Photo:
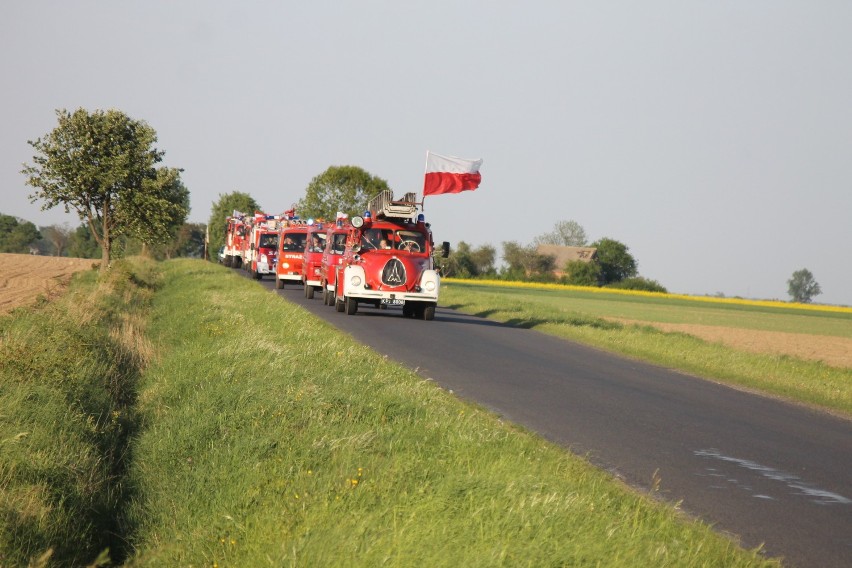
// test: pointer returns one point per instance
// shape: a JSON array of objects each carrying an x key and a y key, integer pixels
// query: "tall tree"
[
  {"x": 802, "y": 286},
  {"x": 564, "y": 233},
  {"x": 224, "y": 208},
  {"x": 17, "y": 235},
  {"x": 102, "y": 165},
  {"x": 615, "y": 261},
  {"x": 339, "y": 188}
]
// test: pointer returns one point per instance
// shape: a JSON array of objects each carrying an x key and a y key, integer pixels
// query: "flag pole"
[{"x": 423, "y": 202}]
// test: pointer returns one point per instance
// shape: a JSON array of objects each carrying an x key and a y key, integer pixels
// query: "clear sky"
[{"x": 714, "y": 139}]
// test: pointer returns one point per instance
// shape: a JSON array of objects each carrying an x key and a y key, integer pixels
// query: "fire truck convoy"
[{"x": 381, "y": 259}]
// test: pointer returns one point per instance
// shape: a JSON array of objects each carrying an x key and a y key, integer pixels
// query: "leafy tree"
[
  {"x": 525, "y": 263},
  {"x": 162, "y": 208},
  {"x": 564, "y": 233},
  {"x": 466, "y": 262},
  {"x": 579, "y": 273},
  {"x": 17, "y": 235},
  {"x": 102, "y": 165},
  {"x": 188, "y": 242},
  {"x": 224, "y": 208},
  {"x": 802, "y": 287},
  {"x": 339, "y": 188},
  {"x": 615, "y": 261},
  {"x": 58, "y": 236},
  {"x": 83, "y": 244}
]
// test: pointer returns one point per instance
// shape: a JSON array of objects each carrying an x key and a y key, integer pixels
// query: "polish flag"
[{"x": 448, "y": 174}]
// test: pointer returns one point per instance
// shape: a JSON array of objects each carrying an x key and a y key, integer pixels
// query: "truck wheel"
[
  {"x": 257, "y": 275},
  {"x": 351, "y": 305},
  {"x": 227, "y": 262},
  {"x": 309, "y": 292},
  {"x": 429, "y": 313},
  {"x": 279, "y": 284},
  {"x": 324, "y": 295},
  {"x": 338, "y": 304}
]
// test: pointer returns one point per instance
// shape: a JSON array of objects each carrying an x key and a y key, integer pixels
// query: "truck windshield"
[
  {"x": 293, "y": 241},
  {"x": 268, "y": 241},
  {"x": 317, "y": 243},
  {"x": 338, "y": 243},
  {"x": 388, "y": 239}
]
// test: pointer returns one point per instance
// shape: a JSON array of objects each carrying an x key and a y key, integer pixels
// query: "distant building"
[{"x": 564, "y": 255}]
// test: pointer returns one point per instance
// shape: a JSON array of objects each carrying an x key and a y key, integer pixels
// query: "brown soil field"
[
  {"x": 25, "y": 277},
  {"x": 834, "y": 351}
]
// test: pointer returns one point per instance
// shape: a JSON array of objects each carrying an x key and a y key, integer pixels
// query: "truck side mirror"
[{"x": 445, "y": 249}]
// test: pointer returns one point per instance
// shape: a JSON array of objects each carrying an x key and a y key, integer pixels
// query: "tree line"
[{"x": 104, "y": 166}]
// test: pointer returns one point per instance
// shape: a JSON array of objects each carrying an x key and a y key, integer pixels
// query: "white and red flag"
[{"x": 448, "y": 174}]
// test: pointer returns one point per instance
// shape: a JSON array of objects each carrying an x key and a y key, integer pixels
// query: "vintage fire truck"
[
  {"x": 388, "y": 260},
  {"x": 235, "y": 236},
  {"x": 291, "y": 252},
  {"x": 262, "y": 245},
  {"x": 332, "y": 256},
  {"x": 312, "y": 260}
]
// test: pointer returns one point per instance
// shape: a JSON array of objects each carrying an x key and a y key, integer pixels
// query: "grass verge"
[
  {"x": 68, "y": 372},
  {"x": 579, "y": 316},
  {"x": 268, "y": 438}
]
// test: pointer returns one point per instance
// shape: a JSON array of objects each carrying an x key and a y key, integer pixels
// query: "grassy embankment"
[
  {"x": 585, "y": 315},
  {"x": 265, "y": 437},
  {"x": 68, "y": 373}
]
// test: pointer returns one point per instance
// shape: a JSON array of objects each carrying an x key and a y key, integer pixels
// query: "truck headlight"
[
  {"x": 429, "y": 285},
  {"x": 355, "y": 280}
]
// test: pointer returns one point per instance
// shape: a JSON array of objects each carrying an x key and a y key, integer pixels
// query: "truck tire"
[
  {"x": 351, "y": 305},
  {"x": 279, "y": 283},
  {"x": 429, "y": 313},
  {"x": 309, "y": 292},
  {"x": 257, "y": 275},
  {"x": 338, "y": 304}
]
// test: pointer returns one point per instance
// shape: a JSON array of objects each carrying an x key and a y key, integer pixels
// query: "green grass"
[
  {"x": 267, "y": 438},
  {"x": 67, "y": 380},
  {"x": 582, "y": 316},
  {"x": 192, "y": 418}
]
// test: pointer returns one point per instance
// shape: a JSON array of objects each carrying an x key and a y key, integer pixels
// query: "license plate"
[{"x": 387, "y": 302}]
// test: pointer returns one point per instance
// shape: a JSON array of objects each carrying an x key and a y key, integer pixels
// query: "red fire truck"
[
  {"x": 262, "y": 245},
  {"x": 312, "y": 260},
  {"x": 332, "y": 256},
  {"x": 291, "y": 252},
  {"x": 388, "y": 260},
  {"x": 235, "y": 233}
]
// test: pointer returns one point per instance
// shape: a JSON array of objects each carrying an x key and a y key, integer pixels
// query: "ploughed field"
[{"x": 25, "y": 277}]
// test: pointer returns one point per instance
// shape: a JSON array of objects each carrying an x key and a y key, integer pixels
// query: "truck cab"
[
  {"x": 312, "y": 260},
  {"x": 265, "y": 247},
  {"x": 387, "y": 260},
  {"x": 332, "y": 256},
  {"x": 291, "y": 253},
  {"x": 235, "y": 233}
]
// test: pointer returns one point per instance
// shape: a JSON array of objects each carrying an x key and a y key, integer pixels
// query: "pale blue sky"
[{"x": 712, "y": 138}]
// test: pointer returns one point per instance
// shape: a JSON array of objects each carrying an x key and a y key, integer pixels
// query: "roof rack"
[{"x": 384, "y": 205}]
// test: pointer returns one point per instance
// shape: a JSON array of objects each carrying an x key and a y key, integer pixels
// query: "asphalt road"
[{"x": 769, "y": 472}]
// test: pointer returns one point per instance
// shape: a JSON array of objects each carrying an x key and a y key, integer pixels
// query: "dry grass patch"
[{"x": 831, "y": 350}]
